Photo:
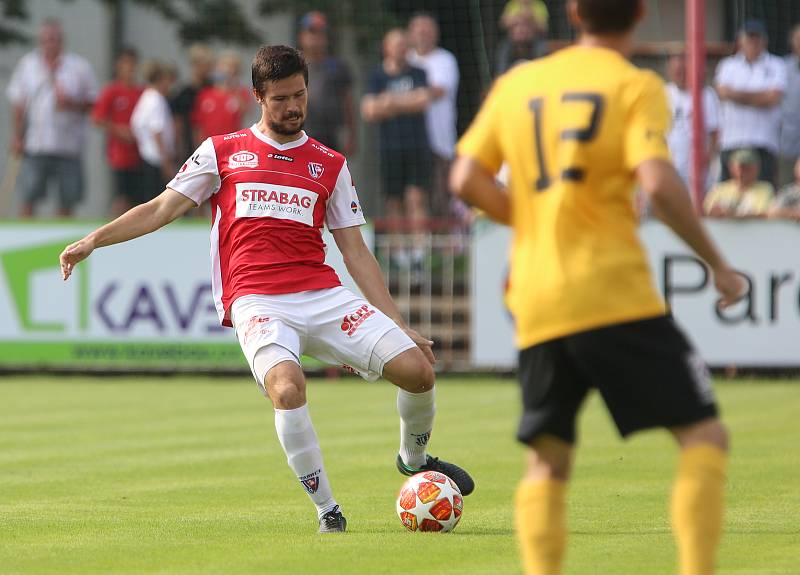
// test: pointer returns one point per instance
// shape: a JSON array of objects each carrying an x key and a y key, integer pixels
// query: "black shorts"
[
  {"x": 153, "y": 182},
  {"x": 646, "y": 371},
  {"x": 130, "y": 185},
  {"x": 402, "y": 168}
]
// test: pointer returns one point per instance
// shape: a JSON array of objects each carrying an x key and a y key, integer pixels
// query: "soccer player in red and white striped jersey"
[{"x": 272, "y": 188}]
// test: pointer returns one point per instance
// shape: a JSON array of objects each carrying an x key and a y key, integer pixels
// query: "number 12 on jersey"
[{"x": 583, "y": 134}]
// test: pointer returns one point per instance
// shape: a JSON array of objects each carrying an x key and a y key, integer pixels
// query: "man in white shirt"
[
  {"x": 790, "y": 113},
  {"x": 154, "y": 128},
  {"x": 751, "y": 85},
  {"x": 680, "y": 137},
  {"x": 441, "y": 69},
  {"x": 51, "y": 93}
]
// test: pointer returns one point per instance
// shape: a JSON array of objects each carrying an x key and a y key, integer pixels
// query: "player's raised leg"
[
  {"x": 286, "y": 386},
  {"x": 697, "y": 496},
  {"x": 413, "y": 374},
  {"x": 540, "y": 506}
]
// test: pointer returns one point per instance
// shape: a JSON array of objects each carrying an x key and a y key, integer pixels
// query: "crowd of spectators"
[
  {"x": 752, "y": 117},
  {"x": 752, "y": 124},
  {"x": 149, "y": 127}
]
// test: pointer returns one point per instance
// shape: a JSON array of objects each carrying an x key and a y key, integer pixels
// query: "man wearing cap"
[
  {"x": 330, "y": 95},
  {"x": 751, "y": 85},
  {"x": 742, "y": 196}
]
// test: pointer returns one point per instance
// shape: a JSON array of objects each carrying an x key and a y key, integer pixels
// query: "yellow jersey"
[{"x": 572, "y": 128}]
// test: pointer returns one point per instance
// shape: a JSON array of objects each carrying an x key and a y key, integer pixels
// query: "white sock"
[
  {"x": 299, "y": 441},
  {"x": 416, "y": 421}
]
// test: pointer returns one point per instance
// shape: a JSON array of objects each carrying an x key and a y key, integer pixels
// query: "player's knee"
[
  {"x": 411, "y": 371},
  {"x": 549, "y": 459},
  {"x": 285, "y": 389},
  {"x": 426, "y": 378},
  {"x": 710, "y": 431}
]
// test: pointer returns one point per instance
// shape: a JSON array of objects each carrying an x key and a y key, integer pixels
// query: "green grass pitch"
[{"x": 185, "y": 475}]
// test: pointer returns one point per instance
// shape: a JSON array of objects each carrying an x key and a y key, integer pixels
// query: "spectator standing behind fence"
[
  {"x": 750, "y": 85},
  {"x": 790, "y": 113},
  {"x": 331, "y": 109},
  {"x": 679, "y": 138},
  {"x": 397, "y": 98},
  {"x": 787, "y": 204},
  {"x": 201, "y": 64},
  {"x": 221, "y": 107},
  {"x": 441, "y": 71},
  {"x": 112, "y": 112},
  {"x": 742, "y": 196},
  {"x": 154, "y": 128},
  {"x": 51, "y": 92},
  {"x": 522, "y": 43}
]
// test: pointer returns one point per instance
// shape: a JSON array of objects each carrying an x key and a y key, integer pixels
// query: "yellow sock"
[
  {"x": 541, "y": 525},
  {"x": 697, "y": 507}
]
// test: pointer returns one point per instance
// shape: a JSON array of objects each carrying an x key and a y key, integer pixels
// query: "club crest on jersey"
[
  {"x": 243, "y": 159},
  {"x": 315, "y": 169}
]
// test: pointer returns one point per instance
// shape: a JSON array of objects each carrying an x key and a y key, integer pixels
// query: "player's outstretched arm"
[
  {"x": 367, "y": 274},
  {"x": 138, "y": 221},
  {"x": 470, "y": 181},
  {"x": 672, "y": 205}
]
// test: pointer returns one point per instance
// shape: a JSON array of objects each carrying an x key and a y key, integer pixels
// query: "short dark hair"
[
  {"x": 273, "y": 63},
  {"x": 155, "y": 71},
  {"x": 608, "y": 16},
  {"x": 127, "y": 52}
]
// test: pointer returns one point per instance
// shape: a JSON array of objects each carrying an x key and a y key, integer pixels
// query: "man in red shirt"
[
  {"x": 112, "y": 112},
  {"x": 271, "y": 190},
  {"x": 221, "y": 108}
]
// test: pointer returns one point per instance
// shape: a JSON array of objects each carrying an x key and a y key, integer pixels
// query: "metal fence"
[{"x": 428, "y": 275}]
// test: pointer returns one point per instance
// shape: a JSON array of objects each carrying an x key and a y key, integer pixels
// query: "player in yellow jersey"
[{"x": 578, "y": 130}]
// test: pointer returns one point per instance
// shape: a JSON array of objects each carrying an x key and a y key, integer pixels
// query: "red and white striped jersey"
[{"x": 269, "y": 202}]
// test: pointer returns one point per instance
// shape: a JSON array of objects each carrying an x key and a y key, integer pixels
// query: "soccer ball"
[{"x": 429, "y": 501}]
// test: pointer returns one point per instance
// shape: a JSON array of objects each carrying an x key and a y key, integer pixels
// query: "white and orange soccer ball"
[{"x": 429, "y": 501}]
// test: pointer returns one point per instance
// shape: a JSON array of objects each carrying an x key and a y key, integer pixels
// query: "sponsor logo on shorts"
[
  {"x": 257, "y": 200},
  {"x": 311, "y": 481},
  {"x": 315, "y": 170},
  {"x": 281, "y": 157},
  {"x": 256, "y": 326},
  {"x": 349, "y": 368},
  {"x": 243, "y": 159},
  {"x": 701, "y": 377},
  {"x": 352, "y": 321}
]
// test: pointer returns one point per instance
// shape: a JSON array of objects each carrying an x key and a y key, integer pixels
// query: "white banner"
[
  {"x": 148, "y": 299},
  {"x": 762, "y": 330}
]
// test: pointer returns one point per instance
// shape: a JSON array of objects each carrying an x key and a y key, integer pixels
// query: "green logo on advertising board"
[{"x": 19, "y": 266}]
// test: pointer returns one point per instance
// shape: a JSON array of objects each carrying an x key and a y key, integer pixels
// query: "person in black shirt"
[
  {"x": 201, "y": 61},
  {"x": 396, "y": 99},
  {"x": 331, "y": 111}
]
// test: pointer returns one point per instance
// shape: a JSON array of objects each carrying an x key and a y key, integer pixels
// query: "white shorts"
[{"x": 332, "y": 325}]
